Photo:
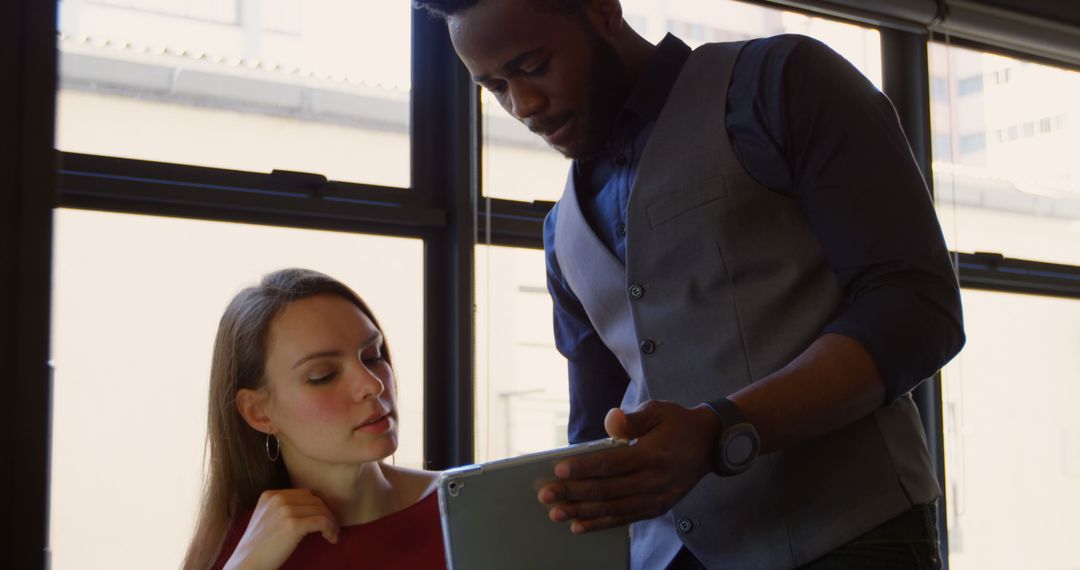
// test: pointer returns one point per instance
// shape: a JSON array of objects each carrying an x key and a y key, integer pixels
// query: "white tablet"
[{"x": 492, "y": 520}]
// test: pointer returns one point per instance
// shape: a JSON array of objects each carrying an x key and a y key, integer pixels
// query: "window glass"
[
  {"x": 136, "y": 303},
  {"x": 522, "y": 398},
  {"x": 1006, "y": 155},
  {"x": 518, "y": 165},
  {"x": 1012, "y": 434},
  {"x": 257, "y": 85}
]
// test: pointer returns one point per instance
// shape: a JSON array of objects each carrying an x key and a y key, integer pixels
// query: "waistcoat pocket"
[{"x": 682, "y": 200}]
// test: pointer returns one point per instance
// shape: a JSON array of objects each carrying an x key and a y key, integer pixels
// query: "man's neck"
[{"x": 635, "y": 51}]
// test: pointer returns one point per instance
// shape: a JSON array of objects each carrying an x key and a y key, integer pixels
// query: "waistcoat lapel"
[{"x": 598, "y": 278}]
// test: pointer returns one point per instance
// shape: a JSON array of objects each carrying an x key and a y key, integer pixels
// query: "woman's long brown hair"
[{"x": 239, "y": 468}]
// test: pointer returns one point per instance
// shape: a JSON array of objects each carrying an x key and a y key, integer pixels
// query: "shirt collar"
[{"x": 653, "y": 86}]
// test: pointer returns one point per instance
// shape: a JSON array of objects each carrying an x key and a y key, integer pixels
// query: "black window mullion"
[
  {"x": 513, "y": 223},
  {"x": 995, "y": 272},
  {"x": 290, "y": 199},
  {"x": 444, "y": 177},
  {"x": 906, "y": 80},
  {"x": 27, "y": 173}
]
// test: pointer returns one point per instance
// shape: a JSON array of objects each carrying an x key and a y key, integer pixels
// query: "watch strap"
[
  {"x": 733, "y": 424},
  {"x": 729, "y": 413}
]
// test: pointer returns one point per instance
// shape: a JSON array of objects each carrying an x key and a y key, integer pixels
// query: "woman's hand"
[{"x": 281, "y": 519}]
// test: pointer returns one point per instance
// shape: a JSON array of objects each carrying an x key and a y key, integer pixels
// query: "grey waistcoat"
[{"x": 734, "y": 287}]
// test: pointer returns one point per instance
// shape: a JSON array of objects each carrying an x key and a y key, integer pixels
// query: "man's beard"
[{"x": 608, "y": 88}]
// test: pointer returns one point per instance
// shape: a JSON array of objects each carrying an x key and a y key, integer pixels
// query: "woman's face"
[{"x": 330, "y": 390}]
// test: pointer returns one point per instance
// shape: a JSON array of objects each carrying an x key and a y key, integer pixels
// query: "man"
[{"x": 747, "y": 271}]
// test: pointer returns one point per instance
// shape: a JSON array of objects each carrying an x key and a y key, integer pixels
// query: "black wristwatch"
[{"x": 738, "y": 444}]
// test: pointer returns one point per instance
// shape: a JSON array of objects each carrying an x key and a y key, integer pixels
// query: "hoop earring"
[{"x": 277, "y": 447}]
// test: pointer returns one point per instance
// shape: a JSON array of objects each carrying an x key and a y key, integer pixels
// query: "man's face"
[{"x": 553, "y": 72}]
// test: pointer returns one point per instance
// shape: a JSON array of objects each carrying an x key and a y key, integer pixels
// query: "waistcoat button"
[
  {"x": 685, "y": 525},
  {"x": 648, "y": 346},
  {"x": 620, "y": 230},
  {"x": 636, "y": 291}
]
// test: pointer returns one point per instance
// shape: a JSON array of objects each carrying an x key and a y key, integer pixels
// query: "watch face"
[{"x": 739, "y": 449}]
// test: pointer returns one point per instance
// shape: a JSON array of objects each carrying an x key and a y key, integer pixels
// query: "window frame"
[{"x": 27, "y": 196}]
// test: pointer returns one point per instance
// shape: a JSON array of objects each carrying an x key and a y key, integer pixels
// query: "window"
[
  {"x": 972, "y": 143},
  {"x": 282, "y": 16},
  {"x": 1012, "y": 435},
  {"x": 939, "y": 88},
  {"x": 329, "y": 96},
  {"x": 136, "y": 303},
  {"x": 510, "y": 151},
  {"x": 970, "y": 85},
  {"x": 522, "y": 396},
  {"x": 1020, "y": 198},
  {"x": 942, "y": 146}
]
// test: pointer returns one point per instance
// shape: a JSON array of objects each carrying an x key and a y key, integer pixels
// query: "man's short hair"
[{"x": 446, "y": 8}]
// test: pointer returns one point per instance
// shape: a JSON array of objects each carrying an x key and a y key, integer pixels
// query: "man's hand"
[{"x": 672, "y": 452}]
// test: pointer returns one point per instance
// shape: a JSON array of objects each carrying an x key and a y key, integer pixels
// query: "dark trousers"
[{"x": 906, "y": 542}]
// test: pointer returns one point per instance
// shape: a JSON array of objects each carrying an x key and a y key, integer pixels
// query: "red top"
[{"x": 410, "y": 538}]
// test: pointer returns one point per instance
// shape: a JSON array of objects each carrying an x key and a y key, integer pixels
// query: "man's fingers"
[
  {"x": 663, "y": 463},
  {"x": 609, "y": 463},
  {"x": 593, "y": 490},
  {"x": 581, "y": 527},
  {"x": 587, "y": 517}
]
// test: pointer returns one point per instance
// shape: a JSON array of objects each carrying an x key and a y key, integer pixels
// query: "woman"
[{"x": 302, "y": 415}]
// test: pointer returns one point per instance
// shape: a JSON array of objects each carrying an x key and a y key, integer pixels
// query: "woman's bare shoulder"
[{"x": 412, "y": 484}]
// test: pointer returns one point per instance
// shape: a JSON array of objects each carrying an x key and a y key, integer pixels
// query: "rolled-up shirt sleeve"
[
  {"x": 597, "y": 379},
  {"x": 820, "y": 132}
]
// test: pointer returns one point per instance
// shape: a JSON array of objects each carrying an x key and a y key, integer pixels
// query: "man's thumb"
[
  {"x": 616, "y": 424},
  {"x": 621, "y": 425}
]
